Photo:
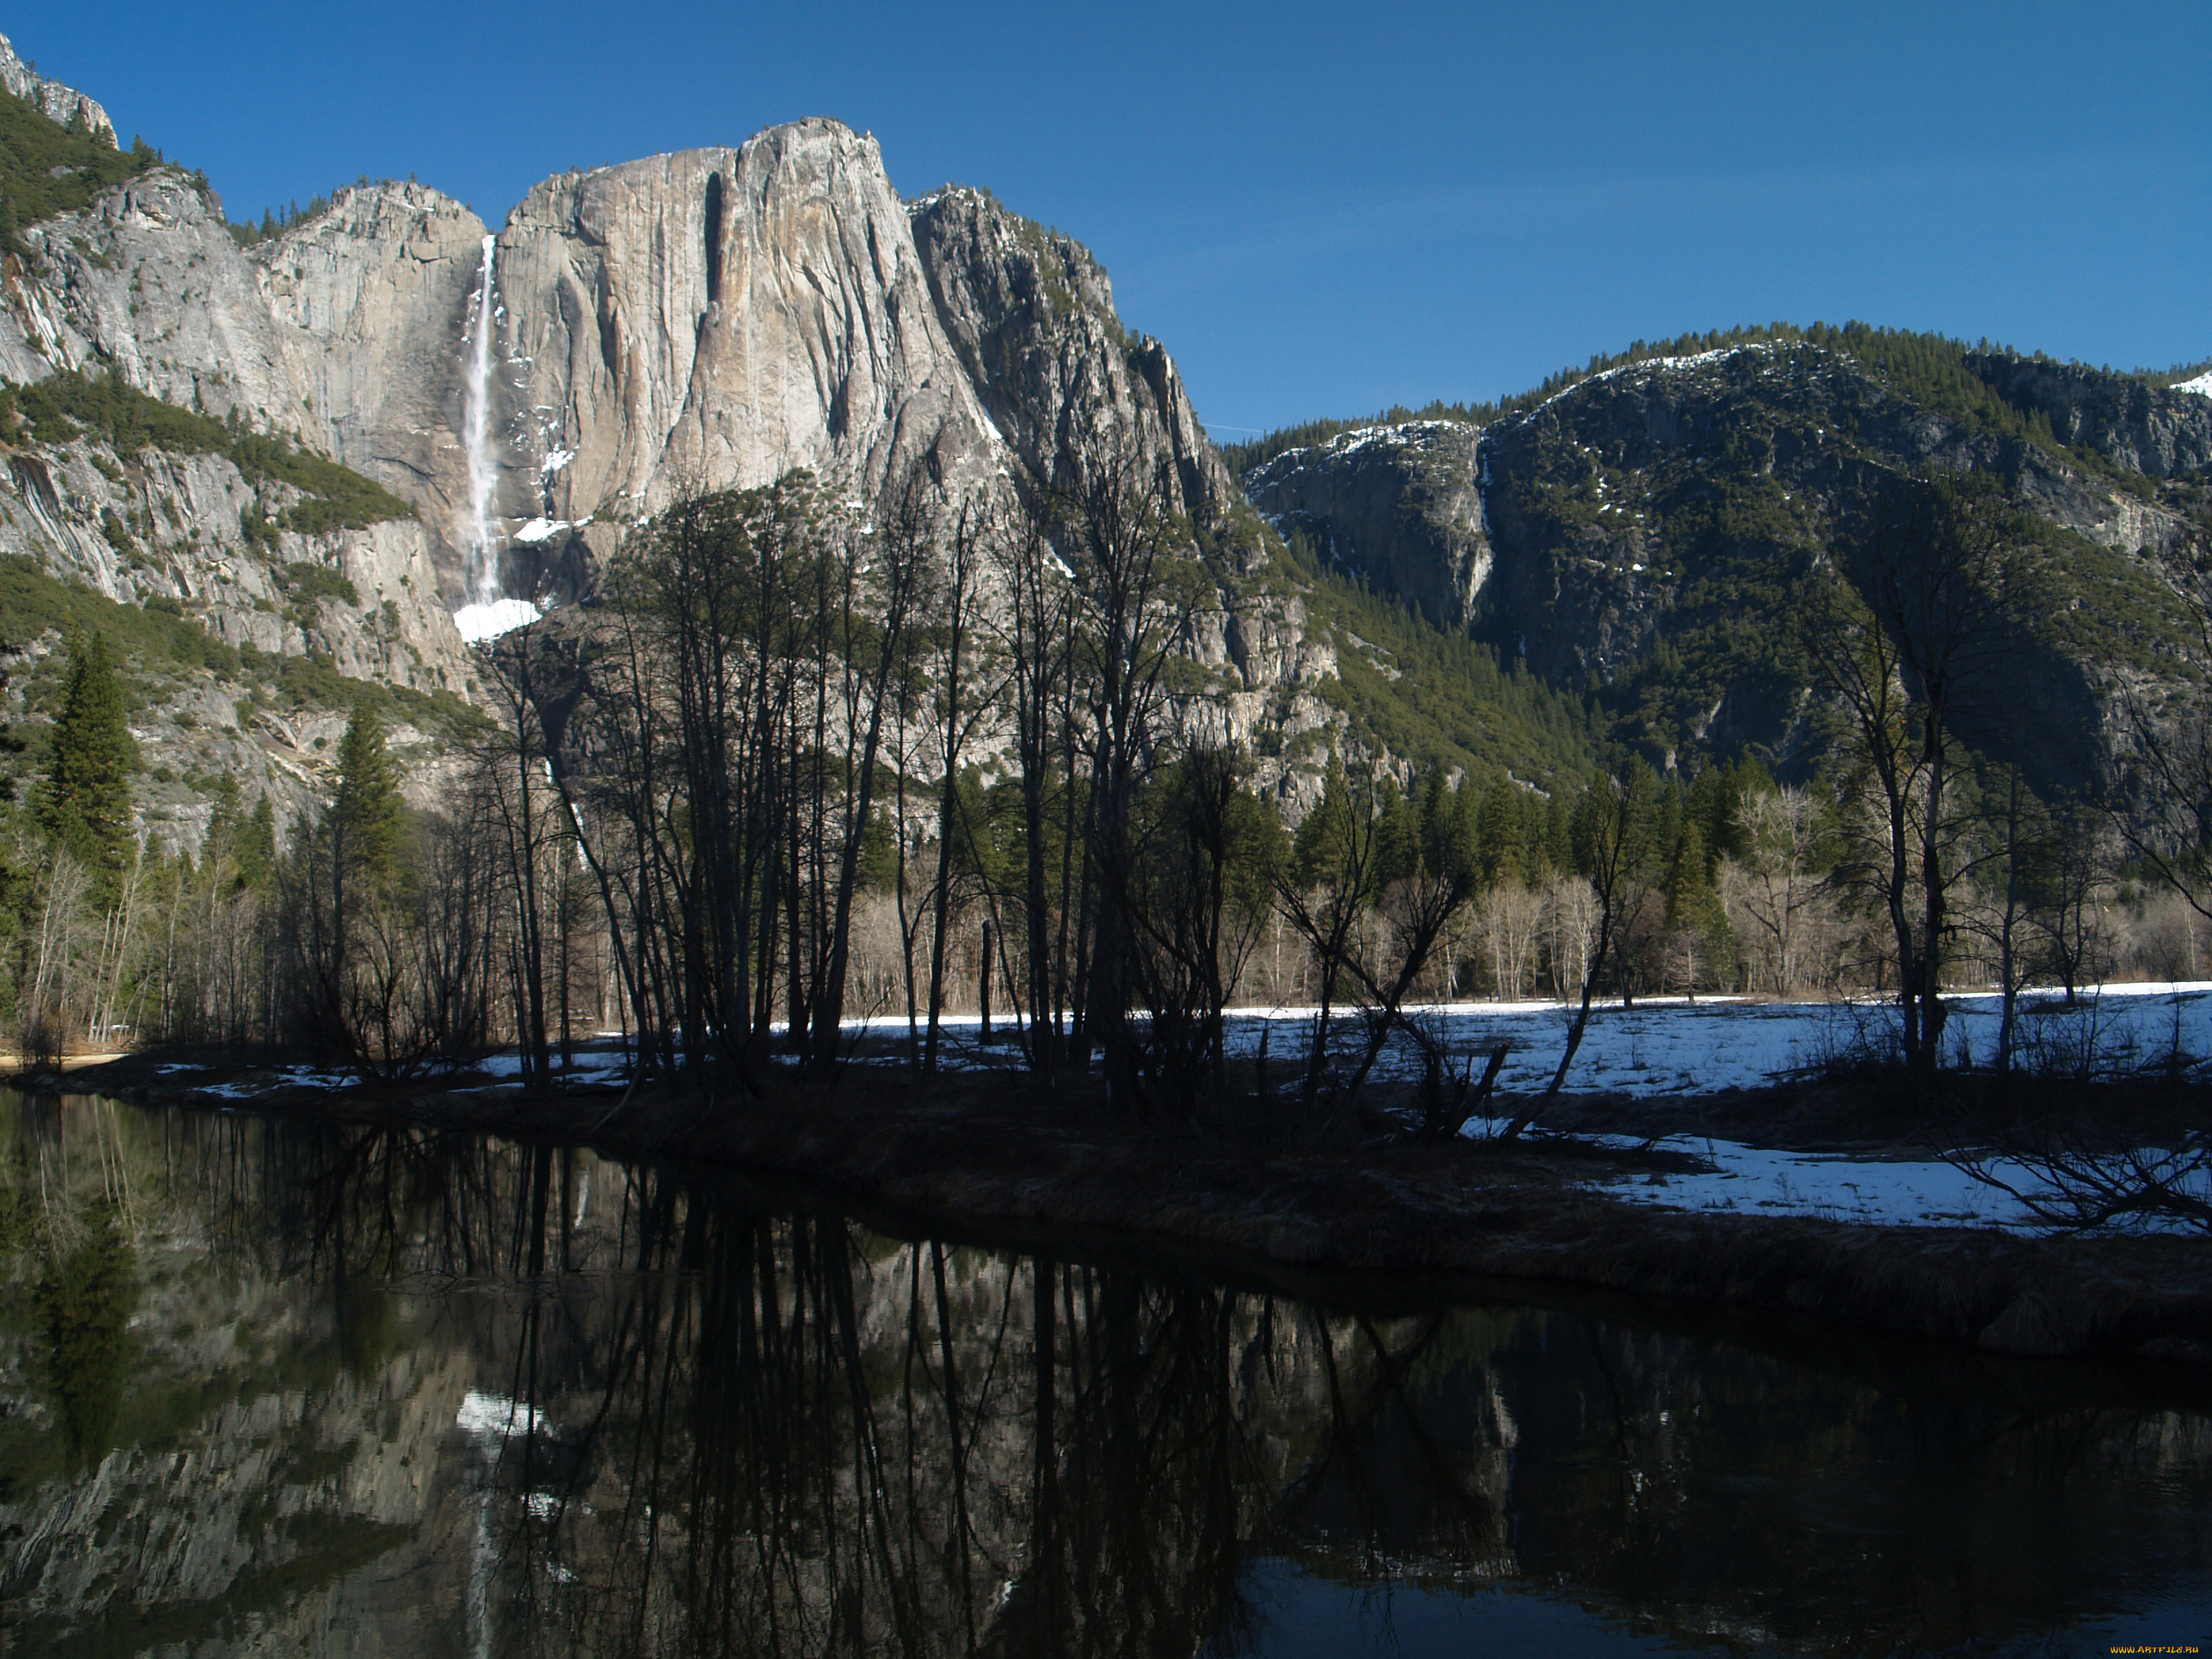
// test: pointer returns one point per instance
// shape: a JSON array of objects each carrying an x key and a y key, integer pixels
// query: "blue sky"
[{"x": 1321, "y": 210}]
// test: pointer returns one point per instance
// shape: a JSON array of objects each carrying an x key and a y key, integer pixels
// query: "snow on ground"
[
  {"x": 2202, "y": 385},
  {"x": 1882, "y": 1191},
  {"x": 1659, "y": 1047},
  {"x": 1668, "y": 1046},
  {"x": 488, "y": 622},
  {"x": 1759, "y": 1181},
  {"x": 1673, "y": 1046},
  {"x": 594, "y": 1058},
  {"x": 293, "y": 1076},
  {"x": 1661, "y": 365}
]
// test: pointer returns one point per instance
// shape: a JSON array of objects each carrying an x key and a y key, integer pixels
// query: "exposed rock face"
[
  {"x": 1031, "y": 314},
  {"x": 723, "y": 316},
  {"x": 1400, "y": 508},
  {"x": 345, "y": 330},
  {"x": 148, "y": 281},
  {"x": 61, "y": 104},
  {"x": 164, "y": 531},
  {"x": 1643, "y": 531},
  {"x": 2161, "y": 433},
  {"x": 706, "y": 319},
  {"x": 367, "y": 303},
  {"x": 711, "y": 318}
]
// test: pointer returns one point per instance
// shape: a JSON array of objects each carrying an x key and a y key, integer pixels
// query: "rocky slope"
[
  {"x": 1401, "y": 506},
  {"x": 340, "y": 330},
  {"x": 293, "y": 623},
  {"x": 716, "y": 317},
  {"x": 713, "y": 319},
  {"x": 62, "y": 105},
  {"x": 706, "y": 319},
  {"x": 710, "y": 319},
  {"x": 1031, "y": 314},
  {"x": 1643, "y": 532}
]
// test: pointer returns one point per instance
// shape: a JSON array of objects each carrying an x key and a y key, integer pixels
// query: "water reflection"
[{"x": 391, "y": 1391}]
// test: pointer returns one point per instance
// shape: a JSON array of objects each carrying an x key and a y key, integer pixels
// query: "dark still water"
[{"x": 270, "y": 1390}]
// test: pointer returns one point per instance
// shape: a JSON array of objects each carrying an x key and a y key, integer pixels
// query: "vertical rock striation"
[
  {"x": 710, "y": 319},
  {"x": 716, "y": 318},
  {"x": 1399, "y": 507}
]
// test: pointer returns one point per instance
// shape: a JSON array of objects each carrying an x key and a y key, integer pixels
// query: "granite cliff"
[
  {"x": 715, "y": 318},
  {"x": 710, "y": 319},
  {"x": 64, "y": 105},
  {"x": 1640, "y": 535},
  {"x": 706, "y": 319}
]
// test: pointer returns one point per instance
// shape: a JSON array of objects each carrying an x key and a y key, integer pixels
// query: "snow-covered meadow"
[
  {"x": 1661, "y": 1047},
  {"x": 1673, "y": 1047}
]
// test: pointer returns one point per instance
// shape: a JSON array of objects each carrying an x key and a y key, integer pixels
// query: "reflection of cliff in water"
[{"x": 397, "y": 1392}]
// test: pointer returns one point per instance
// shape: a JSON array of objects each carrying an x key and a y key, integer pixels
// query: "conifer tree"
[
  {"x": 365, "y": 819},
  {"x": 1502, "y": 854},
  {"x": 1693, "y": 905},
  {"x": 257, "y": 846},
  {"x": 85, "y": 806},
  {"x": 220, "y": 845},
  {"x": 1309, "y": 847},
  {"x": 1558, "y": 843},
  {"x": 350, "y": 857}
]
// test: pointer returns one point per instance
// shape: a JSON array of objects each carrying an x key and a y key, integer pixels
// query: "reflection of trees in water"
[
  {"x": 752, "y": 1431},
  {"x": 1839, "y": 1494},
  {"x": 801, "y": 1450},
  {"x": 707, "y": 1422},
  {"x": 85, "y": 1305}
]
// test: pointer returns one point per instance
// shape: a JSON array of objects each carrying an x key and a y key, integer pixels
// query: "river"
[{"x": 268, "y": 1387}]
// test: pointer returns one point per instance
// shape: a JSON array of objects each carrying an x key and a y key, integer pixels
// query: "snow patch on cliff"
[{"x": 488, "y": 622}]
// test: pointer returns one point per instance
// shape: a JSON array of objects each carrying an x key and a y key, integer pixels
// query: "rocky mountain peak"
[
  {"x": 61, "y": 104},
  {"x": 1399, "y": 507},
  {"x": 1030, "y": 313},
  {"x": 717, "y": 318},
  {"x": 711, "y": 318}
]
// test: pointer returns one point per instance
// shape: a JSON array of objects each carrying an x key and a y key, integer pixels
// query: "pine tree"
[
  {"x": 1330, "y": 825},
  {"x": 257, "y": 846},
  {"x": 85, "y": 806},
  {"x": 1449, "y": 839},
  {"x": 1693, "y": 905},
  {"x": 240, "y": 849},
  {"x": 1558, "y": 843},
  {"x": 1502, "y": 854},
  {"x": 1397, "y": 826},
  {"x": 365, "y": 819}
]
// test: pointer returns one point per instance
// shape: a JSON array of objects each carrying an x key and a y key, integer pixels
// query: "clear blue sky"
[{"x": 1321, "y": 210}]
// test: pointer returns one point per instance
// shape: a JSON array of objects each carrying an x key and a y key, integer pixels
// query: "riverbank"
[{"x": 981, "y": 1153}]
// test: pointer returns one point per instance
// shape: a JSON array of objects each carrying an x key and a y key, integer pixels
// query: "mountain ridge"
[
  {"x": 1646, "y": 511},
  {"x": 714, "y": 317}
]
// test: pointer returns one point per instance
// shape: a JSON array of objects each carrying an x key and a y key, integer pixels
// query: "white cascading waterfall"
[{"x": 488, "y": 612}]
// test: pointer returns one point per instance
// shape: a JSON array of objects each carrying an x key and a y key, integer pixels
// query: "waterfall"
[
  {"x": 488, "y": 612},
  {"x": 475, "y": 414}
]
